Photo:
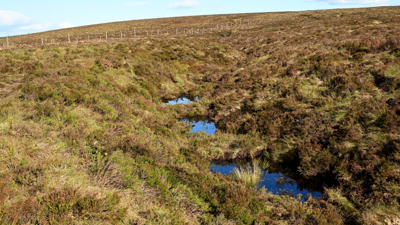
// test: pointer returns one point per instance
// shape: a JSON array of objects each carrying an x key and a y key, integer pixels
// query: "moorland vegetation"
[{"x": 86, "y": 139}]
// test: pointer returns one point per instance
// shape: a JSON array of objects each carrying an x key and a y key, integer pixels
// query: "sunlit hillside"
[{"x": 86, "y": 136}]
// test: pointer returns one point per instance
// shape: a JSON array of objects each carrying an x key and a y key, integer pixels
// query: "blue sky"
[{"x": 28, "y": 16}]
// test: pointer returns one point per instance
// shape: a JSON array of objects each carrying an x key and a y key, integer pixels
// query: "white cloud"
[
  {"x": 65, "y": 25},
  {"x": 184, "y": 4},
  {"x": 37, "y": 26},
  {"x": 135, "y": 3},
  {"x": 363, "y": 2},
  {"x": 8, "y": 18}
]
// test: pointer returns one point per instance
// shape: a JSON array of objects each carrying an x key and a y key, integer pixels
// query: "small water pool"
[
  {"x": 182, "y": 100},
  {"x": 201, "y": 124},
  {"x": 276, "y": 183},
  {"x": 198, "y": 123}
]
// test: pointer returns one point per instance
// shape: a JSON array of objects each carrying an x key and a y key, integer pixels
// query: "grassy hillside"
[{"x": 86, "y": 139}]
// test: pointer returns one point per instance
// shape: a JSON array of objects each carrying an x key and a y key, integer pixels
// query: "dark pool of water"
[
  {"x": 182, "y": 100},
  {"x": 277, "y": 183}
]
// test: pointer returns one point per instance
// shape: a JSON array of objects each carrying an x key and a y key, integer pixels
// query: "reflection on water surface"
[{"x": 276, "y": 183}]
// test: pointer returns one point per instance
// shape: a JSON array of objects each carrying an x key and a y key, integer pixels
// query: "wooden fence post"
[
  {"x": 134, "y": 32},
  {"x": 158, "y": 31},
  {"x": 106, "y": 35},
  {"x": 176, "y": 31},
  {"x": 69, "y": 39},
  {"x": 7, "y": 42},
  {"x": 121, "y": 34},
  {"x": 42, "y": 39},
  {"x": 88, "y": 37}
]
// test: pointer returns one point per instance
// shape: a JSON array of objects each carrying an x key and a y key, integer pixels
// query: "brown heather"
[{"x": 86, "y": 139}]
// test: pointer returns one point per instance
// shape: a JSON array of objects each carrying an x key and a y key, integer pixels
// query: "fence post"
[
  {"x": 217, "y": 27},
  {"x": 7, "y": 42},
  {"x": 176, "y": 31},
  {"x": 134, "y": 32},
  {"x": 42, "y": 39},
  {"x": 69, "y": 40},
  {"x": 121, "y": 34},
  {"x": 106, "y": 35},
  {"x": 158, "y": 31},
  {"x": 88, "y": 37}
]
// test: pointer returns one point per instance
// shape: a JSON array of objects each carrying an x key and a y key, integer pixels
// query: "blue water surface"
[
  {"x": 202, "y": 125},
  {"x": 182, "y": 100},
  {"x": 269, "y": 181}
]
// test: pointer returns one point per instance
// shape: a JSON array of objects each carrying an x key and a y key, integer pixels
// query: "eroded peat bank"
[{"x": 86, "y": 136}]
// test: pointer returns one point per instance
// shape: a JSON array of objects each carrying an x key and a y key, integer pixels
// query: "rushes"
[{"x": 250, "y": 173}]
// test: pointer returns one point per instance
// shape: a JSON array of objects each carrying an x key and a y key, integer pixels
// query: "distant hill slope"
[{"x": 203, "y": 25}]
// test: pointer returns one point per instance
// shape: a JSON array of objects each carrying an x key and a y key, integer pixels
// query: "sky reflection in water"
[{"x": 269, "y": 180}]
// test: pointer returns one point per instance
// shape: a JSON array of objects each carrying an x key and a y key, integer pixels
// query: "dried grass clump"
[{"x": 251, "y": 173}]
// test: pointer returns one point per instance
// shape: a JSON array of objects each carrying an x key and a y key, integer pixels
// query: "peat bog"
[{"x": 86, "y": 136}]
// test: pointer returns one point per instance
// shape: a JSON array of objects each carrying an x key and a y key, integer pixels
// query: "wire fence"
[{"x": 223, "y": 28}]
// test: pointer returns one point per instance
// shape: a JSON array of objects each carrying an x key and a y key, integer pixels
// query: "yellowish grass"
[{"x": 251, "y": 173}]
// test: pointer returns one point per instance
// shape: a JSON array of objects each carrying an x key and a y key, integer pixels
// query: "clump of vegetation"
[{"x": 251, "y": 173}]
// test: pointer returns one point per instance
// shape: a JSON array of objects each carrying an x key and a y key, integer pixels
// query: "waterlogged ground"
[
  {"x": 85, "y": 140},
  {"x": 275, "y": 183},
  {"x": 198, "y": 123}
]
